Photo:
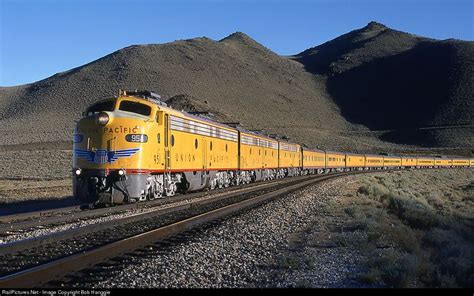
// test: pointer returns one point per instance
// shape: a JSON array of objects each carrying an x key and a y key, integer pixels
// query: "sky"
[{"x": 39, "y": 38}]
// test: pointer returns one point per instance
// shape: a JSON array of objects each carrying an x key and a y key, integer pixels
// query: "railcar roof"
[
  {"x": 289, "y": 143},
  {"x": 313, "y": 150},
  {"x": 335, "y": 152},
  {"x": 256, "y": 134},
  {"x": 356, "y": 154}
]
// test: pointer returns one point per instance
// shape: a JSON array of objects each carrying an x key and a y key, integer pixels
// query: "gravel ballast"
[{"x": 243, "y": 251}]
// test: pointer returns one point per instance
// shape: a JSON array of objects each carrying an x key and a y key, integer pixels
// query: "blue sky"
[{"x": 39, "y": 38}]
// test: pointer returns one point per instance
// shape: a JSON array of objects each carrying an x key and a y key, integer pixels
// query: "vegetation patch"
[{"x": 420, "y": 231}]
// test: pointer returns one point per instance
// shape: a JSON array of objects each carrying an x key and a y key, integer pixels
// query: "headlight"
[
  {"x": 78, "y": 172},
  {"x": 121, "y": 172},
  {"x": 103, "y": 118}
]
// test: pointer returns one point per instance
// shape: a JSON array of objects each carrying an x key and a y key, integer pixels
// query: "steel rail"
[
  {"x": 42, "y": 274},
  {"x": 21, "y": 245},
  {"x": 15, "y": 222}
]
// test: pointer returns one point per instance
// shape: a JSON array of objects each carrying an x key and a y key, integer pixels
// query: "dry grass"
[{"x": 419, "y": 228}]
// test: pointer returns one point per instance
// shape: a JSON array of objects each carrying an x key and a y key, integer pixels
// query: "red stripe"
[
  {"x": 144, "y": 171},
  {"x": 250, "y": 169}
]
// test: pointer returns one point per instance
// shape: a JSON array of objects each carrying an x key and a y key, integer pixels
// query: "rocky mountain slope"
[
  {"x": 390, "y": 80},
  {"x": 331, "y": 96}
]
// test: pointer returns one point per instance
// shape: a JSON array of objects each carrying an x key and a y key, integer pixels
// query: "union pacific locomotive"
[{"x": 133, "y": 148}]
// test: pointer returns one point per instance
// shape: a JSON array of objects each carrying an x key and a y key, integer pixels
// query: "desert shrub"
[
  {"x": 288, "y": 262},
  {"x": 431, "y": 242},
  {"x": 303, "y": 283},
  {"x": 439, "y": 239},
  {"x": 435, "y": 199},
  {"x": 373, "y": 236},
  {"x": 395, "y": 269},
  {"x": 426, "y": 268},
  {"x": 372, "y": 190},
  {"x": 454, "y": 257},
  {"x": 370, "y": 277},
  {"x": 413, "y": 212},
  {"x": 351, "y": 211},
  {"x": 404, "y": 237},
  {"x": 447, "y": 281},
  {"x": 379, "y": 178},
  {"x": 363, "y": 190}
]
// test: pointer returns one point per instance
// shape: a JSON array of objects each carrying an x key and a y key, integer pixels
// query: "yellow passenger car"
[
  {"x": 335, "y": 160},
  {"x": 443, "y": 162},
  {"x": 408, "y": 161},
  {"x": 197, "y": 144},
  {"x": 392, "y": 161},
  {"x": 258, "y": 157},
  {"x": 461, "y": 162},
  {"x": 202, "y": 150},
  {"x": 471, "y": 162},
  {"x": 289, "y": 155},
  {"x": 355, "y": 160},
  {"x": 425, "y": 162},
  {"x": 313, "y": 159},
  {"x": 373, "y": 161},
  {"x": 257, "y": 152}
]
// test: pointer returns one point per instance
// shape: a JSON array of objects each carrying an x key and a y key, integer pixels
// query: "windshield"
[
  {"x": 135, "y": 107},
  {"x": 101, "y": 106}
]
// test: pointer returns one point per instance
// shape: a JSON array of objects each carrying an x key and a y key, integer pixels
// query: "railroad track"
[
  {"x": 18, "y": 223},
  {"x": 97, "y": 222},
  {"x": 38, "y": 261}
]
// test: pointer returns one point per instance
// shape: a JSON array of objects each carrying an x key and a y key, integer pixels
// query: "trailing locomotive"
[{"x": 133, "y": 148}]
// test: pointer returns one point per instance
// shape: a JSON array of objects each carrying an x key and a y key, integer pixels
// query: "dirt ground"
[
  {"x": 13, "y": 191},
  {"x": 33, "y": 179}
]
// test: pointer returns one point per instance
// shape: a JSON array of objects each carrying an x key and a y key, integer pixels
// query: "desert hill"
[
  {"x": 330, "y": 96},
  {"x": 390, "y": 80}
]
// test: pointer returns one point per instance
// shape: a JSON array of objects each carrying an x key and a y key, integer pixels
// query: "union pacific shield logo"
[{"x": 101, "y": 156}]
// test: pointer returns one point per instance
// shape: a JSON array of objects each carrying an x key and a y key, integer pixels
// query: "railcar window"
[
  {"x": 172, "y": 140},
  {"x": 159, "y": 138},
  {"x": 196, "y": 143},
  {"x": 135, "y": 107},
  {"x": 102, "y": 106},
  {"x": 211, "y": 146}
]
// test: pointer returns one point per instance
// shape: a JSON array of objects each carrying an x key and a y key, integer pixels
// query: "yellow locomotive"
[{"x": 133, "y": 147}]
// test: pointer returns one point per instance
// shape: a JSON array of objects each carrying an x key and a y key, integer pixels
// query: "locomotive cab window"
[
  {"x": 135, "y": 107},
  {"x": 101, "y": 106}
]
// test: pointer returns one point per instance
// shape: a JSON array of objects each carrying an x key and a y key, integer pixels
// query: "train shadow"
[{"x": 25, "y": 206}]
